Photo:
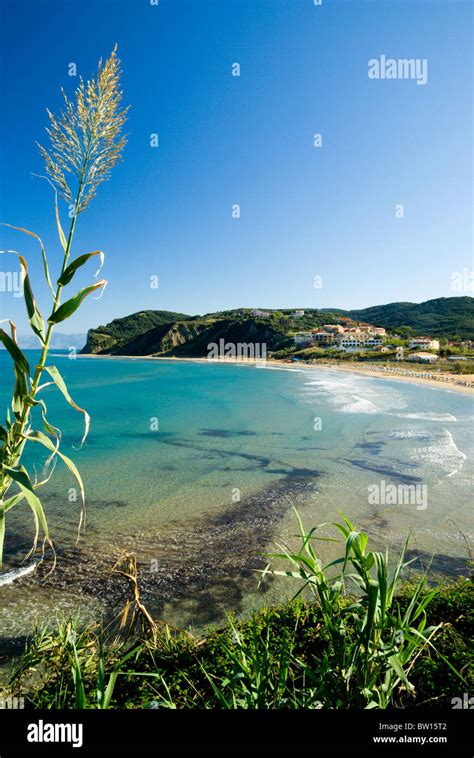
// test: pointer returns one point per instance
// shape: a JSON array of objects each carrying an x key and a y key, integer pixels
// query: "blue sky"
[{"x": 305, "y": 211}]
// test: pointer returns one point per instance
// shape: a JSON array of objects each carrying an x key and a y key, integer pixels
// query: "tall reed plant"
[{"x": 86, "y": 142}]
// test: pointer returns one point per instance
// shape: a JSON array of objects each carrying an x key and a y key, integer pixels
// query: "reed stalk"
[{"x": 85, "y": 144}]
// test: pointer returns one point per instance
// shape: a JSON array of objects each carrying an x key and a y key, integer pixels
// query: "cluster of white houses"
[{"x": 349, "y": 337}]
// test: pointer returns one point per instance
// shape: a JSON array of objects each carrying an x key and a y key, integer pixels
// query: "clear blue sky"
[{"x": 305, "y": 211}]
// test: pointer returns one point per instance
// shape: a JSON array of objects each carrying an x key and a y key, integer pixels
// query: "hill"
[
  {"x": 109, "y": 338},
  {"x": 170, "y": 333},
  {"x": 443, "y": 317}
]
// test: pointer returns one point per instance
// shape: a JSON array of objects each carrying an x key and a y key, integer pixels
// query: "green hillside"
[
  {"x": 246, "y": 331},
  {"x": 123, "y": 330},
  {"x": 443, "y": 317},
  {"x": 170, "y": 333}
]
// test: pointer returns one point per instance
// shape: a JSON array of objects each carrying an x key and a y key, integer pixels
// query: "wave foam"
[
  {"x": 429, "y": 416},
  {"x": 443, "y": 453},
  {"x": 352, "y": 395}
]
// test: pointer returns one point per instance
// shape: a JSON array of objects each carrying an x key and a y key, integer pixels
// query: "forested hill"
[
  {"x": 443, "y": 317},
  {"x": 170, "y": 333},
  {"x": 121, "y": 330}
]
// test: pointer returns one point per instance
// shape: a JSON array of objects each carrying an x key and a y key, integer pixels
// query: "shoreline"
[
  {"x": 445, "y": 381},
  {"x": 463, "y": 383}
]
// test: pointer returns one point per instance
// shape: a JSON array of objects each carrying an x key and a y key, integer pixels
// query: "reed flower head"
[{"x": 86, "y": 140}]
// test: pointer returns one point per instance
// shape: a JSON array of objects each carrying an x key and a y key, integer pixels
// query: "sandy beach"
[{"x": 440, "y": 380}]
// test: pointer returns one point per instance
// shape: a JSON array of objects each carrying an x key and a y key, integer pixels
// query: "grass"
[{"x": 390, "y": 645}]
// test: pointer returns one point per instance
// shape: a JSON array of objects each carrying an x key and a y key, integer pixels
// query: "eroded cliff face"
[
  {"x": 108, "y": 338},
  {"x": 161, "y": 340},
  {"x": 183, "y": 338},
  {"x": 180, "y": 334},
  {"x": 98, "y": 343}
]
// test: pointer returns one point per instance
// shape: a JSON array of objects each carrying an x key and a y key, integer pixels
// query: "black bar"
[{"x": 167, "y": 732}]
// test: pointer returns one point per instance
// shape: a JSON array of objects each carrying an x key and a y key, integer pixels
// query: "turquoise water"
[{"x": 195, "y": 467}]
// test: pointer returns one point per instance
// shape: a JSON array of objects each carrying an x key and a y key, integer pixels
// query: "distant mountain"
[
  {"x": 58, "y": 342},
  {"x": 170, "y": 333}
]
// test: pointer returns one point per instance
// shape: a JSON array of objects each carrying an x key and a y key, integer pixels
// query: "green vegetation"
[
  {"x": 444, "y": 317},
  {"x": 168, "y": 333},
  {"x": 123, "y": 330},
  {"x": 365, "y": 640},
  {"x": 85, "y": 145},
  {"x": 183, "y": 338}
]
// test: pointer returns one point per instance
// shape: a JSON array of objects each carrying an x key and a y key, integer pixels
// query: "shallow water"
[{"x": 196, "y": 467}]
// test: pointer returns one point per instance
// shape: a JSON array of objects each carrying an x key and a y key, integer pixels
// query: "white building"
[
  {"x": 425, "y": 342},
  {"x": 423, "y": 357},
  {"x": 350, "y": 342},
  {"x": 356, "y": 341},
  {"x": 344, "y": 339},
  {"x": 297, "y": 314}
]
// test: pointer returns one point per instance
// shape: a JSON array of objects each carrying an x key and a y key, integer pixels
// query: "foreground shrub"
[{"x": 387, "y": 645}]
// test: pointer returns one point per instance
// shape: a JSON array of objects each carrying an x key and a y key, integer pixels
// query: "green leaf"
[
  {"x": 21, "y": 369},
  {"x": 42, "y": 439},
  {"x": 34, "y": 316},
  {"x": 69, "y": 272},
  {"x": 20, "y": 390},
  {"x": 52, "y": 430},
  {"x": 15, "y": 499},
  {"x": 43, "y": 252},
  {"x": 61, "y": 385},
  {"x": 20, "y": 476},
  {"x": 70, "y": 306},
  {"x": 398, "y": 668},
  {"x": 15, "y": 352},
  {"x": 79, "y": 689},
  {"x": 62, "y": 238},
  {"x": 12, "y": 501},
  {"x": 373, "y": 594}
]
